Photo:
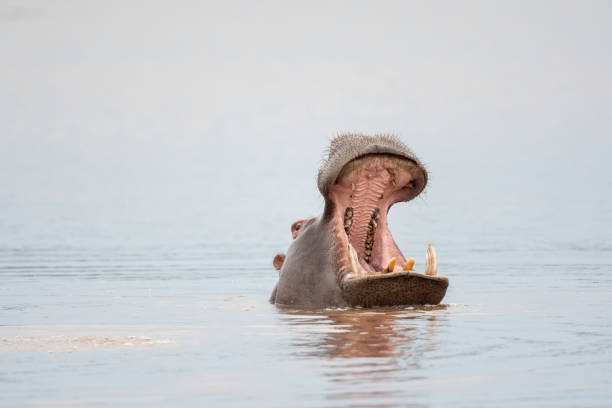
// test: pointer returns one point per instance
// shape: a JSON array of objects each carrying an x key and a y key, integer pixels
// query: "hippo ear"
[{"x": 278, "y": 261}]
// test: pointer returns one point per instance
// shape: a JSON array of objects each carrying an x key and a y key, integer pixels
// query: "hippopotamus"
[{"x": 346, "y": 257}]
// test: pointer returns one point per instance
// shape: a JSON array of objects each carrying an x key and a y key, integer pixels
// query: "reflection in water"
[{"x": 380, "y": 349}]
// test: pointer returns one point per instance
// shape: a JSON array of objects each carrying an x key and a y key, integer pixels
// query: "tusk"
[
  {"x": 390, "y": 266},
  {"x": 408, "y": 265},
  {"x": 431, "y": 265},
  {"x": 353, "y": 258}
]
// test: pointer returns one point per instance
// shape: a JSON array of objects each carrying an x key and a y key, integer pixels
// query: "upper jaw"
[{"x": 348, "y": 147}]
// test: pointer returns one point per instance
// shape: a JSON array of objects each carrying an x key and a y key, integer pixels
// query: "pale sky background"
[{"x": 161, "y": 113}]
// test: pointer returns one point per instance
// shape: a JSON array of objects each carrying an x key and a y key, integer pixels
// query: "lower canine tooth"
[
  {"x": 390, "y": 266},
  {"x": 353, "y": 258},
  {"x": 431, "y": 266},
  {"x": 408, "y": 265}
]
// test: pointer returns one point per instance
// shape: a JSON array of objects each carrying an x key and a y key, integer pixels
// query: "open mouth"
[
  {"x": 347, "y": 256},
  {"x": 362, "y": 194}
]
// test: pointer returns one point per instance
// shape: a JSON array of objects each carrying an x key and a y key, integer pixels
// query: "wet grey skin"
[{"x": 317, "y": 271}]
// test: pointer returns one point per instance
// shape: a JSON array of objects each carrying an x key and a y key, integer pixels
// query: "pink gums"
[{"x": 374, "y": 182}]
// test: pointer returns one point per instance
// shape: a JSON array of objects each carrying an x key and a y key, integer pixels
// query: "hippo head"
[{"x": 347, "y": 256}]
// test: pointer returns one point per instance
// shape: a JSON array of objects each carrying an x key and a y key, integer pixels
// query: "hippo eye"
[{"x": 298, "y": 226}]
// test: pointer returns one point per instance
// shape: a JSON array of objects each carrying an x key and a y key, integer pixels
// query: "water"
[
  {"x": 152, "y": 161},
  {"x": 175, "y": 326}
]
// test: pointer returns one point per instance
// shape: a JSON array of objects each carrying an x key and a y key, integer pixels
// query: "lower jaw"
[
  {"x": 385, "y": 277},
  {"x": 393, "y": 289},
  {"x": 396, "y": 283}
]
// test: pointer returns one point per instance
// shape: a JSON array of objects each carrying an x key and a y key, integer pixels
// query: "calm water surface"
[
  {"x": 189, "y": 324},
  {"x": 153, "y": 158}
]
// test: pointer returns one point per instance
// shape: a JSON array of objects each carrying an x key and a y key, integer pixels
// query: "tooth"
[
  {"x": 431, "y": 266},
  {"x": 352, "y": 186},
  {"x": 348, "y": 219},
  {"x": 408, "y": 265},
  {"x": 390, "y": 266},
  {"x": 353, "y": 258}
]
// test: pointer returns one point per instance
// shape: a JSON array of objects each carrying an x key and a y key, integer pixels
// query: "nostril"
[{"x": 298, "y": 226}]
